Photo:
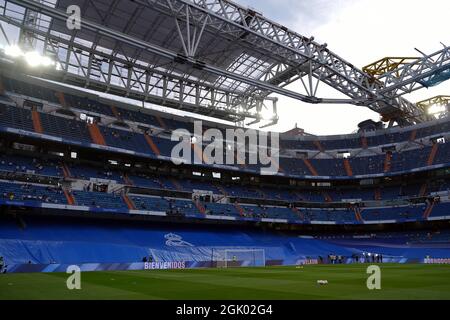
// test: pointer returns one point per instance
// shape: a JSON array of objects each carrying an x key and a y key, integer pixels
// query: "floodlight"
[
  {"x": 33, "y": 58},
  {"x": 13, "y": 51},
  {"x": 436, "y": 108},
  {"x": 267, "y": 114},
  {"x": 46, "y": 61}
]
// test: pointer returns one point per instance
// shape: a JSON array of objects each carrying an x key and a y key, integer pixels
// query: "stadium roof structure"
[{"x": 211, "y": 57}]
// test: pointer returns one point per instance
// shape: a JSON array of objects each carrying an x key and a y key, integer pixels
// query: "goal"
[{"x": 242, "y": 258}]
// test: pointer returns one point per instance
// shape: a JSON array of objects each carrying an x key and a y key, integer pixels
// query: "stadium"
[{"x": 137, "y": 151}]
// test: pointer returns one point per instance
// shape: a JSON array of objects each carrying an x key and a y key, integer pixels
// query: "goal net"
[{"x": 242, "y": 258}]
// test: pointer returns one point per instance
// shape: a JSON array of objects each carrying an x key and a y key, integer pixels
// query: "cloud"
[
  {"x": 306, "y": 15},
  {"x": 361, "y": 32}
]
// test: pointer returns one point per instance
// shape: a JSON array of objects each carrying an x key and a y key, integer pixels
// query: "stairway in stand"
[
  {"x": 358, "y": 214},
  {"x": 161, "y": 122},
  {"x": 348, "y": 168},
  {"x": 327, "y": 197},
  {"x": 152, "y": 144},
  {"x": 66, "y": 170},
  {"x": 130, "y": 204},
  {"x": 61, "y": 98},
  {"x": 69, "y": 197},
  {"x": 37, "y": 125},
  {"x": 199, "y": 206},
  {"x": 413, "y": 135},
  {"x": 428, "y": 210},
  {"x": 96, "y": 135},
  {"x": 127, "y": 179},
  {"x": 387, "y": 162},
  {"x": 116, "y": 113},
  {"x": 432, "y": 154},
  {"x": 310, "y": 167},
  {"x": 318, "y": 145},
  {"x": 423, "y": 190}
]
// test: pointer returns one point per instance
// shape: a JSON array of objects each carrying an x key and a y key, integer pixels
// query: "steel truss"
[
  {"x": 439, "y": 101},
  {"x": 423, "y": 72},
  {"x": 270, "y": 57},
  {"x": 385, "y": 65},
  {"x": 117, "y": 74}
]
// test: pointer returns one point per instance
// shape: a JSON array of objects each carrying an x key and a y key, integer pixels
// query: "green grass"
[{"x": 345, "y": 282}]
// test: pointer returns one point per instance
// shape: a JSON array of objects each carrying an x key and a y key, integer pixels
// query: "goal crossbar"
[{"x": 249, "y": 257}]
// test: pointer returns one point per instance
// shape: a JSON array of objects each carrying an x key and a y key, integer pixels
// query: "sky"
[{"x": 361, "y": 32}]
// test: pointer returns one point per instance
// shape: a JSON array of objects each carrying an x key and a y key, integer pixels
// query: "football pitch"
[{"x": 344, "y": 282}]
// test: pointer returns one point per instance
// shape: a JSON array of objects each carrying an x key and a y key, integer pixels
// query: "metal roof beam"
[
  {"x": 173, "y": 56},
  {"x": 228, "y": 18},
  {"x": 413, "y": 76}
]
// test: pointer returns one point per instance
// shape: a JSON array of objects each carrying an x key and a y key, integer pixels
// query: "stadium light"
[
  {"x": 436, "y": 109},
  {"x": 13, "y": 51},
  {"x": 32, "y": 58},
  {"x": 267, "y": 114}
]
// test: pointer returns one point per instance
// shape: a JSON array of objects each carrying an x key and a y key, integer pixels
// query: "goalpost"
[{"x": 242, "y": 258}]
